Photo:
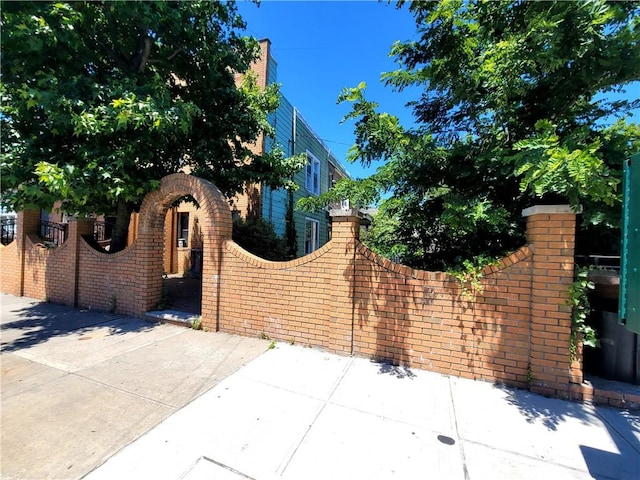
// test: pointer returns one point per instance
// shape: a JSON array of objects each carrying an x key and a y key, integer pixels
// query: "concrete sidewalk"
[
  {"x": 292, "y": 413},
  {"x": 78, "y": 386},
  {"x": 297, "y": 413}
]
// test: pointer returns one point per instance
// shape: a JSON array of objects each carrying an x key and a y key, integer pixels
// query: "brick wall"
[
  {"x": 343, "y": 297},
  {"x": 305, "y": 300},
  {"x": 249, "y": 203},
  {"x": 11, "y": 268},
  {"x": 129, "y": 281},
  {"x": 425, "y": 319},
  {"x": 108, "y": 281},
  {"x": 347, "y": 299},
  {"x": 10, "y": 262}
]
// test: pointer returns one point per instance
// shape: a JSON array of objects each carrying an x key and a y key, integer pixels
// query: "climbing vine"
[
  {"x": 580, "y": 308},
  {"x": 469, "y": 275}
]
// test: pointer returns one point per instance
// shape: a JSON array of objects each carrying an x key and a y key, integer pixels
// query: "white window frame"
[
  {"x": 311, "y": 235},
  {"x": 312, "y": 174},
  {"x": 182, "y": 234}
]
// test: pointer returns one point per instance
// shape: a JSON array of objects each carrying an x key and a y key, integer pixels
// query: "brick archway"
[{"x": 216, "y": 225}]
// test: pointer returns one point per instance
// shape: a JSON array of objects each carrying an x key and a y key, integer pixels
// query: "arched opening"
[
  {"x": 181, "y": 227},
  {"x": 183, "y": 257}
]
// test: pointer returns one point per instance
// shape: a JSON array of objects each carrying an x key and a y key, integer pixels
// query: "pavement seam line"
[
  {"x": 65, "y": 367},
  {"x": 238, "y": 369},
  {"x": 124, "y": 390},
  {"x": 465, "y": 471},
  {"x": 613, "y": 427},
  {"x": 174, "y": 407},
  {"x": 129, "y": 350},
  {"x": 287, "y": 461},
  {"x": 383, "y": 417},
  {"x": 536, "y": 459},
  {"x": 64, "y": 373},
  {"x": 215, "y": 462}
]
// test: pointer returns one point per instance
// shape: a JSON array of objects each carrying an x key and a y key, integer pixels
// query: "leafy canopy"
[
  {"x": 516, "y": 108},
  {"x": 100, "y": 100}
]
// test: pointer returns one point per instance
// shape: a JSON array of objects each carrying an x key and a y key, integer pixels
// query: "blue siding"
[
  {"x": 307, "y": 141},
  {"x": 275, "y": 202},
  {"x": 274, "y": 208}
]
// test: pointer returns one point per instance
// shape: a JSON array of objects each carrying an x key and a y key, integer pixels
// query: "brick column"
[
  {"x": 551, "y": 234},
  {"x": 149, "y": 266},
  {"x": 345, "y": 232},
  {"x": 77, "y": 228},
  {"x": 27, "y": 223}
]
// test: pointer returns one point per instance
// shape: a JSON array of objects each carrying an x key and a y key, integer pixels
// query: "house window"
[
  {"x": 311, "y": 235},
  {"x": 312, "y": 181},
  {"x": 183, "y": 229}
]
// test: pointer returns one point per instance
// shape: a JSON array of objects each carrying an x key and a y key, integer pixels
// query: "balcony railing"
[
  {"x": 53, "y": 233},
  {"x": 7, "y": 230},
  {"x": 102, "y": 231}
]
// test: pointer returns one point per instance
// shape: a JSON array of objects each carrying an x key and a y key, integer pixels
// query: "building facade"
[
  {"x": 295, "y": 136},
  {"x": 322, "y": 170}
]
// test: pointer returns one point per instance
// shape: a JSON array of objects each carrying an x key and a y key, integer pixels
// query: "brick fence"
[
  {"x": 343, "y": 297},
  {"x": 347, "y": 299}
]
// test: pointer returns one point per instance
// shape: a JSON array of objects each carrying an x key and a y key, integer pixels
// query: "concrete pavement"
[
  {"x": 78, "y": 386},
  {"x": 291, "y": 413}
]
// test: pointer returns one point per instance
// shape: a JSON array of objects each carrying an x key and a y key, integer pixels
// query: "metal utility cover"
[{"x": 630, "y": 253}]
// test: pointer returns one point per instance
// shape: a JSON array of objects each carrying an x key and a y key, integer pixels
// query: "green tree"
[
  {"x": 259, "y": 237},
  {"x": 100, "y": 100},
  {"x": 513, "y": 111}
]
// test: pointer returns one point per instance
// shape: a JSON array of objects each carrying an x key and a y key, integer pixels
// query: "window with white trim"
[
  {"x": 183, "y": 229},
  {"x": 311, "y": 235},
  {"x": 312, "y": 179}
]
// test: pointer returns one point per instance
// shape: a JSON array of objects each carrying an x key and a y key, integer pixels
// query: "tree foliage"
[
  {"x": 258, "y": 236},
  {"x": 100, "y": 100},
  {"x": 516, "y": 108}
]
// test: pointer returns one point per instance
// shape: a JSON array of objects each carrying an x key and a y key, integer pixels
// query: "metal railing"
[
  {"x": 102, "y": 231},
  {"x": 7, "y": 230},
  {"x": 610, "y": 262},
  {"x": 52, "y": 232}
]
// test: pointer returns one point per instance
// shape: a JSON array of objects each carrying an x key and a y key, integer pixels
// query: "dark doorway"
[
  {"x": 183, "y": 293},
  {"x": 183, "y": 247}
]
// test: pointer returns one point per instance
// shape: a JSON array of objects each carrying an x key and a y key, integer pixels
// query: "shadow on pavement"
[
  {"x": 623, "y": 428},
  {"x": 399, "y": 371},
  {"x": 550, "y": 412},
  {"x": 24, "y": 326}
]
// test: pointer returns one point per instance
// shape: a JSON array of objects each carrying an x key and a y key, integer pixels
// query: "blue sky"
[{"x": 323, "y": 46}]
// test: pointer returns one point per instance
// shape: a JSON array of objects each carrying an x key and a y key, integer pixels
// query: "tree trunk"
[{"x": 121, "y": 227}]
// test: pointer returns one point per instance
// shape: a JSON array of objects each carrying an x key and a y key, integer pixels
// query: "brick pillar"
[
  {"x": 77, "y": 228},
  {"x": 551, "y": 234},
  {"x": 149, "y": 266},
  {"x": 211, "y": 278},
  {"x": 27, "y": 223},
  {"x": 345, "y": 232}
]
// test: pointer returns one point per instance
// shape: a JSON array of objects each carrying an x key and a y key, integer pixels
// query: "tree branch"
[
  {"x": 176, "y": 52},
  {"x": 146, "y": 51}
]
